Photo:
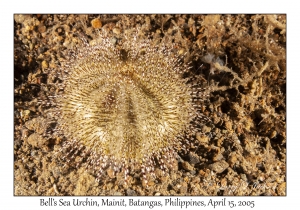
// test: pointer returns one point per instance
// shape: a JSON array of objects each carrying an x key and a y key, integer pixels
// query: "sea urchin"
[{"x": 126, "y": 106}]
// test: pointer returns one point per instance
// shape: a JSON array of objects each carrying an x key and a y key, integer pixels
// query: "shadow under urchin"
[{"x": 125, "y": 106}]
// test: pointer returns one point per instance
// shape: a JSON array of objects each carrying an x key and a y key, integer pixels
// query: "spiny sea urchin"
[{"x": 126, "y": 105}]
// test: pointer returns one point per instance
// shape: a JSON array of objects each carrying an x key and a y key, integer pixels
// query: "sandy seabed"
[{"x": 241, "y": 59}]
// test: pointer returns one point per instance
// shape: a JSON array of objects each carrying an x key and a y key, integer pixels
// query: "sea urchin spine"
[{"x": 126, "y": 106}]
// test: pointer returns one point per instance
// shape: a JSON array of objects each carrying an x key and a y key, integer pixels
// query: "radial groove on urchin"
[{"x": 126, "y": 106}]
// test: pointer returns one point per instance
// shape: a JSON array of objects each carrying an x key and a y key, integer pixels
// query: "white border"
[{"x": 8, "y": 8}]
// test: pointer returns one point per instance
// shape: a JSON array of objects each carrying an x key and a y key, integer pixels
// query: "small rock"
[
  {"x": 36, "y": 140},
  {"x": 194, "y": 158},
  {"x": 21, "y": 18},
  {"x": 42, "y": 28},
  {"x": 281, "y": 190},
  {"x": 218, "y": 157},
  {"x": 206, "y": 129},
  {"x": 45, "y": 64},
  {"x": 183, "y": 188},
  {"x": 203, "y": 139},
  {"x": 24, "y": 114},
  {"x": 219, "y": 166},
  {"x": 116, "y": 31},
  {"x": 172, "y": 192},
  {"x": 38, "y": 125},
  {"x": 131, "y": 192},
  {"x": 187, "y": 166},
  {"x": 273, "y": 134},
  {"x": 228, "y": 125},
  {"x": 244, "y": 177},
  {"x": 232, "y": 160},
  {"x": 96, "y": 23}
]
